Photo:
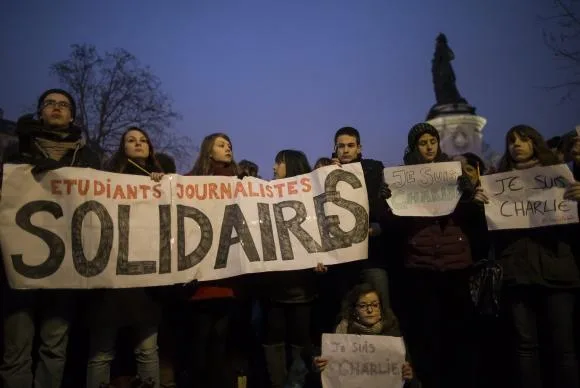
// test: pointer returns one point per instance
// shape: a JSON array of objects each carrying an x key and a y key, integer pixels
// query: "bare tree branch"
[
  {"x": 114, "y": 91},
  {"x": 562, "y": 36}
]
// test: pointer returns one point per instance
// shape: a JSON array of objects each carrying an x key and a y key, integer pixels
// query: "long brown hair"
[
  {"x": 204, "y": 163},
  {"x": 541, "y": 150},
  {"x": 119, "y": 161}
]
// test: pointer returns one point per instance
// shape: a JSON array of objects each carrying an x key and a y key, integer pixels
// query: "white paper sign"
[
  {"x": 82, "y": 228},
  {"x": 362, "y": 361},
  {"x": 529, "y": 198},
  {"x": 424, "y": 190}
]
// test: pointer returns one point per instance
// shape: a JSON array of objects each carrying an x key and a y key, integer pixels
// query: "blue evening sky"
[{"x": 278, "y": 74}]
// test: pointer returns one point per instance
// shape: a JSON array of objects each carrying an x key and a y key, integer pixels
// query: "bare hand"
[
  {"x": 320, "y": 268},
  {"x": 156, "y": 176},
  {"x": 407, "y": 371},
  {"x": 320, "y": 363},
  {"x": 572, "y": 193},
  {"x": 480, "y": 196},
  {"x": 336, "y": 162}
]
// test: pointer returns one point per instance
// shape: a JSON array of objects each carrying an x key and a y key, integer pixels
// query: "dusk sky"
[{"x": 277, "y": 74}]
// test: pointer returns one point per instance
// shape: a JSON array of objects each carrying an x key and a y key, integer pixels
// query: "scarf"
[
  {"x": 222, "y": 169},
  {"x": 528, "y": 164},
  {"x": 355, "y": 327},
  {"x": 56, "y": 149},
  {"x": 54, "y": 144}
]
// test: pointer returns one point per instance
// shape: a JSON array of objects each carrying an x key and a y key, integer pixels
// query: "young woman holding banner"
[
  {"x": 113, "y": 309},
  {"x": 541, "y": 278},
  {"x": 212, "y": 304}
]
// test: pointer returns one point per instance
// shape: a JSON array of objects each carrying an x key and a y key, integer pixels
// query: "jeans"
[
  {"x": 438, "y": 328},
  {"x": 54, "y": 309},
  {"x": 102, "y": 353},
  {"x": 210, "y": 327},
  {"x": 543, "y": 324},
  {"x": 287, "y": 323}
]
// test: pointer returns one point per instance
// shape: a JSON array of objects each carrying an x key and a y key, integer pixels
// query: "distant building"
[{"x": 7, "y": 133}]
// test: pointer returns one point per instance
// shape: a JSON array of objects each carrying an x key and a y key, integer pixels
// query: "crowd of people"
[{"x": 264, "y": 330}]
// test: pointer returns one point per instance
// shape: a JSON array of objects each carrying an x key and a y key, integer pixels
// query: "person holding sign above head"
[
  {"x": 437, "y": 258},
  {"x": 288, "y": 295},
  {"x": 113, "y": 309},
  {"x": 48, "y": 142},
  {"x": 364, "y": 314},
  {"x": 541, "y": 277},
  {"x": 212, "y": 303}
]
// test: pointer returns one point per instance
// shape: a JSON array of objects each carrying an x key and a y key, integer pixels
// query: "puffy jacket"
[{"x": 440, "y": 243}]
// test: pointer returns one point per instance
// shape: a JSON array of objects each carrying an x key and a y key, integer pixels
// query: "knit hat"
[
  {"x": 419, "y": 130},
  {"x": 73, "y": 105}
]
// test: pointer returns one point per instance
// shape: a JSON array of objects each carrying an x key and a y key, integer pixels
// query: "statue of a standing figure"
[{"x": 443, "y": 75}]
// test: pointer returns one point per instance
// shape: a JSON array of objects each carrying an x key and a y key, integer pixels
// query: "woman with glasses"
[{"x": 364, "y": 314}]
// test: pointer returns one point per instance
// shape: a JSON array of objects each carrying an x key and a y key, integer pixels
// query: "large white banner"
[
  {"x": 369, "y": 361},
  {"x": 529, "y": 198},
  {"x": 423, "y": 190},
  {"x": 82, "y": 228}
]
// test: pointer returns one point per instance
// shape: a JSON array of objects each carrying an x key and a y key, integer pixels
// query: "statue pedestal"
[{"x": 460, "y": 133}]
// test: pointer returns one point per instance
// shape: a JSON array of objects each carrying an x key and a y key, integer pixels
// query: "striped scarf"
[{"x": 56, "y": 149}]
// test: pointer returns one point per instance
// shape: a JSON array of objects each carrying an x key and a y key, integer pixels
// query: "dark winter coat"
[
  {"x": 126, "y": 306},
  {"x": 441, "y": 243}
]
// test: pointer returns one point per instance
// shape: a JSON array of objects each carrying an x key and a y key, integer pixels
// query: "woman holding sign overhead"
[
  {"x": 134, "y": 307},
  {"x": 437, "y": 259},
  {"x": 541, "y": 278}
]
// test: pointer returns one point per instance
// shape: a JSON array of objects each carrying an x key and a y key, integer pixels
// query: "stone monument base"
[
  {"x": 460, "y": 133},
  {"x": 461, "y": 107}
]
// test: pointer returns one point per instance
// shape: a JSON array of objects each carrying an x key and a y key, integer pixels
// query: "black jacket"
[
  {"x": 378, "y": 211},
  {"x": 27, "y": 151},
  {"x": 539, "y": 256}
]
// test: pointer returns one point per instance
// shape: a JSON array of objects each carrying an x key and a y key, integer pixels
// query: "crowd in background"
[{"x": 419, "y": 281}]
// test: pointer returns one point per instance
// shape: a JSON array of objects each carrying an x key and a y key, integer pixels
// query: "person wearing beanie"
[
  {"x": 49, "y": 142},
  {"x": 437, "y": 260},
  {"x": 423, "y": 145}
]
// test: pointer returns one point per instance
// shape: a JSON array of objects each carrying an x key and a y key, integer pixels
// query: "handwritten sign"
[
  {"x": 369, "y": 361},
  {"x": 424, "y": 190},
  {"x": 82, "y": 228},
  {"x": 529, "y": 198}
]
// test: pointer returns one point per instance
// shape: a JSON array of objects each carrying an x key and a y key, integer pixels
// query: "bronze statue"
[{"x": 443, "y": 75}]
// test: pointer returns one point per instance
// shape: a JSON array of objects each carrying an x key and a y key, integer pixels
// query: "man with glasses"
[{"x": 49, "y": 142}]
